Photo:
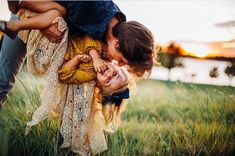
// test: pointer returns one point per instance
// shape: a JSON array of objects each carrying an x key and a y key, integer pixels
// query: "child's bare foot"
[
  {"x": 12, "y": 26},
  {"x": 9, "y": 29}
]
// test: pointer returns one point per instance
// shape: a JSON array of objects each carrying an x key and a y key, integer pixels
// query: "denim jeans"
[{"x": 12, "y": 56}]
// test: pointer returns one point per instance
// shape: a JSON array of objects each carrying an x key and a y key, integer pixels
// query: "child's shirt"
[{"x": 84, "y": 72}]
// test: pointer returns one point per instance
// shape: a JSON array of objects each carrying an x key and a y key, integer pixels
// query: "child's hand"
[
  {"x": 83, "y": 58},
  {"x": 99, "y": 65}
]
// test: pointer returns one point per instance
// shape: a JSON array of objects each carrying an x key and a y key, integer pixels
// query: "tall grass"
[{"x": 163, "y": 118}]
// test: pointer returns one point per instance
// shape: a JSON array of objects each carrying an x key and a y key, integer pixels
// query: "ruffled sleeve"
[
  {"x": 77, "y": 76},
  {"x": 91, "y": 43}
]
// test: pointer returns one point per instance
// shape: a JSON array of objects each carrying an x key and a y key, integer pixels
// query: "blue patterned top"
[{"x": 91, "y": 17}]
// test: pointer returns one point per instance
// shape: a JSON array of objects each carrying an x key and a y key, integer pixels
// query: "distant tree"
[
  {"x": 230, "y": 71},
  {"x": 179, "y": 63},
  {"x": 168, "y": 57},
  {"x": 214, "y": 72},
  {"x": 167, "y": 61},
  {"x": 193, "y": 75}
]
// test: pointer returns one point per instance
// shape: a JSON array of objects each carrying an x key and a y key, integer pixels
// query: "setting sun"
[{"x": 197, "y": 49}]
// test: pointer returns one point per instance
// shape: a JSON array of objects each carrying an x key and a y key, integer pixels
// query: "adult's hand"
[{"x": 53, "y": 34}]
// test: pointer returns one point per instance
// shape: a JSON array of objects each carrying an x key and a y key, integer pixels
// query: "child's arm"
[
  {"x": 98, "y": 63},
  {"x": 94, "y": 48},
  {"x": 70, "y": 73},
  {"x": 74, "y": 62},
  {"x": 48, "y": 11}
]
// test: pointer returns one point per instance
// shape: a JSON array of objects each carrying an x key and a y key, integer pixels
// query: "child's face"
[
  {"x": 114, "y": 54},
  {"x": 113, "y": 78}
]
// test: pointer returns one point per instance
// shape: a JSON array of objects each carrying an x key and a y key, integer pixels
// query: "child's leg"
[
  {"x": 48, "y": 10},
  {"x": 40, "y": 21},
  {"x": 43, "y": 6}
]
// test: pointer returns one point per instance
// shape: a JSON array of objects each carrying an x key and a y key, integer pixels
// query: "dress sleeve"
[
  {"x": 91, "y": 43},
  {"x": 85, "y": 73}
]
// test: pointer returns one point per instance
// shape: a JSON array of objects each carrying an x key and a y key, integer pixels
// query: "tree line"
[{"x": 169, "y": 57}]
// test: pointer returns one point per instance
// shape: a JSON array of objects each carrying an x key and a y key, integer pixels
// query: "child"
[
  {"x": 86, "y": 115},
  {"x": 47, "y": 12},
  {"x": 83, "y": 117},
  {"x": 83, "y": 122}
]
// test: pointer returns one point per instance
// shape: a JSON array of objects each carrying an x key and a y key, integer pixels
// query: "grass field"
[{"x": 164, "y": 118}]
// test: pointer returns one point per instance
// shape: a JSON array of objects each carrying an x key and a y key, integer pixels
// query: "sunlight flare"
[{"x": 197, "y": 50}]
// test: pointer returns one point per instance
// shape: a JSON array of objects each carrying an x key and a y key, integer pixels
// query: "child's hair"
[
  {"x": 109, "y": 92},
  {"x": 136, "y": 43},
  {"x": 106, "y": 113},
  {"x": 106, "y": 91}
]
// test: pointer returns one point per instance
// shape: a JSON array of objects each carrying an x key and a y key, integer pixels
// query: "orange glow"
[
  {"x": 1, "y": 35},
  {"x": 197, "y": 50}
]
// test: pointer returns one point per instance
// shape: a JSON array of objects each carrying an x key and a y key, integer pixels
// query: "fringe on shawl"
[{"x": 46, "y": 66}]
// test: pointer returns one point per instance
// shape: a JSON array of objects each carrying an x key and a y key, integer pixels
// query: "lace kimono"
[{"x": 44, "y": 59}]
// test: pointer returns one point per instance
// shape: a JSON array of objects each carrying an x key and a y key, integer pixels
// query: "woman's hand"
[{"x": 53, "y": 34}]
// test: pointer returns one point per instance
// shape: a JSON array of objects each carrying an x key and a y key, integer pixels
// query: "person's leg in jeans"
[{"x": 12, "y": 56}]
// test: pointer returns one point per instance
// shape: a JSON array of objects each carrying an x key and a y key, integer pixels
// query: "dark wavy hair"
[{"x": 136, "y": 43}]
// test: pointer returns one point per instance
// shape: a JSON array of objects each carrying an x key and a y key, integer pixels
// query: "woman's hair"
[{"x": 136, "y": 43}]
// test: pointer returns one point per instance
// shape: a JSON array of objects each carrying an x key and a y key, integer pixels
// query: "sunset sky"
[
  {"x": 176, "y": 20},
  {"x": 180, "y": 20}
]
